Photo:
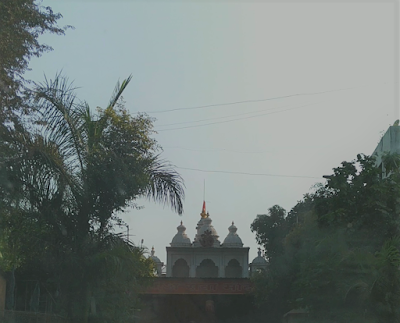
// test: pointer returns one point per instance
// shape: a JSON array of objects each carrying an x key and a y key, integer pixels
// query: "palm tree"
[
  {"x": 72, "y": 170},
  {"x": 112, "y": 135}
]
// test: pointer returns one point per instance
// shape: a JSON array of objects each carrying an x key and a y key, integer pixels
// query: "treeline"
[
  {"x": 66, "y": 173},
  {"x": 335, "y": 255}
]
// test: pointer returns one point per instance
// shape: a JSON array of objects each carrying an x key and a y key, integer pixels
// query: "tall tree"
[
  {"x": 355, "y": 197},
  {"x": 21, "y": 24},
  {"x": 66, "y": 175},
  {"x": 271, "y": 229},
  {"x": 337, "y": 260}
]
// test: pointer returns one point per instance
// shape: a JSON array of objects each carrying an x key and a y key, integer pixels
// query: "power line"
[
  {"x": 251, "y": 101},
  {"x": 231, "y": 150},
  {"x": 234, "y": 115},
  {"x": 219, "y": 149},
  {"x": 244, "y": 173},
  {"x": 218, "y": 122},
  {"x": 216, "y": 118}
]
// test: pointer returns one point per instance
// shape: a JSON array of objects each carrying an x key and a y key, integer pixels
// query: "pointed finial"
[
  {"x": 203, "y": 213},
  {"x": 181, "y": 222},
  {"x": 233, "y": 223},
  {"x": 259, "y": 252},
  {"x": 152, "y": 251}
]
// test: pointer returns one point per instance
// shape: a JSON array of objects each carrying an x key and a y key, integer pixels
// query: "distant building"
[
  {"x": 204, "y": 280},
  {"x": 389, "y": 143},
  {"x": 258, "y": 264},
  {"x": 207, "y": 257}
]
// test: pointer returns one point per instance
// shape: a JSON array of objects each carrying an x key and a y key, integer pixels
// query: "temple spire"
[
  {"x": 204, "y": 190},
  {"x": 204, "y": 213},
  {"x": 203, "y": 210}
]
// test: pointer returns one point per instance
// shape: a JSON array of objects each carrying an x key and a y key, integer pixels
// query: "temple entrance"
[
  {"x": 180, "y": 268},
  {"x": 207, "y": 269}
]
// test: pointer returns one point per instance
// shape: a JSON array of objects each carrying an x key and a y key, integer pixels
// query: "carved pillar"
[
  {"x": 221, "y": 268},
  {"x": 245, "y": 267},
  {"x": 169, "y": 265},
  {"x": 192, "y": 268}
]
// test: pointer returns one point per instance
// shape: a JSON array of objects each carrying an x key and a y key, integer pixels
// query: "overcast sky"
[{"x": 328, "y": 69}]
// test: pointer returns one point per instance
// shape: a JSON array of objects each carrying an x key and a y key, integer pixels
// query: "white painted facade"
[
  {"x": 389, "y": 143},
  {"x": 206, "y": 256},
  {"x": 220, "y": 256}
]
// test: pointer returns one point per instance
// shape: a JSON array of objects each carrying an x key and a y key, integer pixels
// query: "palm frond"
[
  {"x": 165, "y": 185},
  {"x": 119, "y": 88},
  {"x": 38, "y": 163},
  {"x": 56, "y": 102}
]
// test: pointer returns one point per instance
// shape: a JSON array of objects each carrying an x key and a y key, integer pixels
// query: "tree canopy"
[
  {"x": 270, "y": 230},
  {"x": 21, "y": 24},
  {"x": 66, "y": 173},
  {"x": 339, "y": 248}
]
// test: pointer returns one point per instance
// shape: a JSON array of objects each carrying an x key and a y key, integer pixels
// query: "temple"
[
  {"x": 203, "y": 275},
  {"x": 206, "y": 256}
]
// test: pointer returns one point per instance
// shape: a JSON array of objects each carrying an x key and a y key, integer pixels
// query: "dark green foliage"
[
  {"x": 65, "y": 174},
  {"x": 21, "y": 24},
  {"x": 340, "y": 254},
  {"x": 356, "y": 197},
  {"x": 270, "y": 230}
]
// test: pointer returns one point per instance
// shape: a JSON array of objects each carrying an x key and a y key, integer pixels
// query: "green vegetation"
[
  {"x": 336, "y": 254},
  {"x": 66, "y": 173},
  {"x": 21, "y": 24}
]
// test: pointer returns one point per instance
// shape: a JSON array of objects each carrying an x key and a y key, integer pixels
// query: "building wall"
[
  {"x": 220, "y": 256},
  {"x": 390, "y": 142}
]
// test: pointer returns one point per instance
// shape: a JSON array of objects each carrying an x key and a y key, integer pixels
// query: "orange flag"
[{"x": 204, "y": 207}]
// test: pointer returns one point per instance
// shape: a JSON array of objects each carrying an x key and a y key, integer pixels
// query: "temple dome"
[
  {"x": 232, "y": 240},
  {"x": 207, "y": 226},
  {"x": 204, "y": 227},
  {"x": 259, "y": 260},
  {"x": 181, "y": 239},
  {"x": 153, "y": 257}
]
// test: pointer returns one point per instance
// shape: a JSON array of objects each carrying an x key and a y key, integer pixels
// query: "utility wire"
[
  {"x": 218, "y": 122},
  {"x": 219, "y": 149},
  {"x": 233, "y": 115},
  {"x": 232, "y": 150},
  {"x": 244, "y": 173},
  {"x": 252, "y": 101},
  {"x": 224, "y": 117}
]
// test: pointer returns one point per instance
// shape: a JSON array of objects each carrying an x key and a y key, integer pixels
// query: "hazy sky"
[{"x": 185, "y": 55}]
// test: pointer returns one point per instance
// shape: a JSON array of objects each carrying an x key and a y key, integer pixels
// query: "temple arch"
[
  {"x": 180, "y": 268},
  {"x": 207, "y": 269},
  {"x": 233, "y": 269}
]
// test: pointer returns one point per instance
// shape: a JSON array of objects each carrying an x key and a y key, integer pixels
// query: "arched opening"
[
  {"x": 207, "y": 269},
  {"x": 233, "y": 270},
  {"x": 180, "y": 268}
]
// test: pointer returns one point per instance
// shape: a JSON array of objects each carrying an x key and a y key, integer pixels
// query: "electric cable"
[
  {"x": 245, "y": 173},
  {"x": 225, "y": 121}
]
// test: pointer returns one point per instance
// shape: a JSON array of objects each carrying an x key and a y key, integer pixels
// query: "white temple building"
[{"x": 206, "y": 256}]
